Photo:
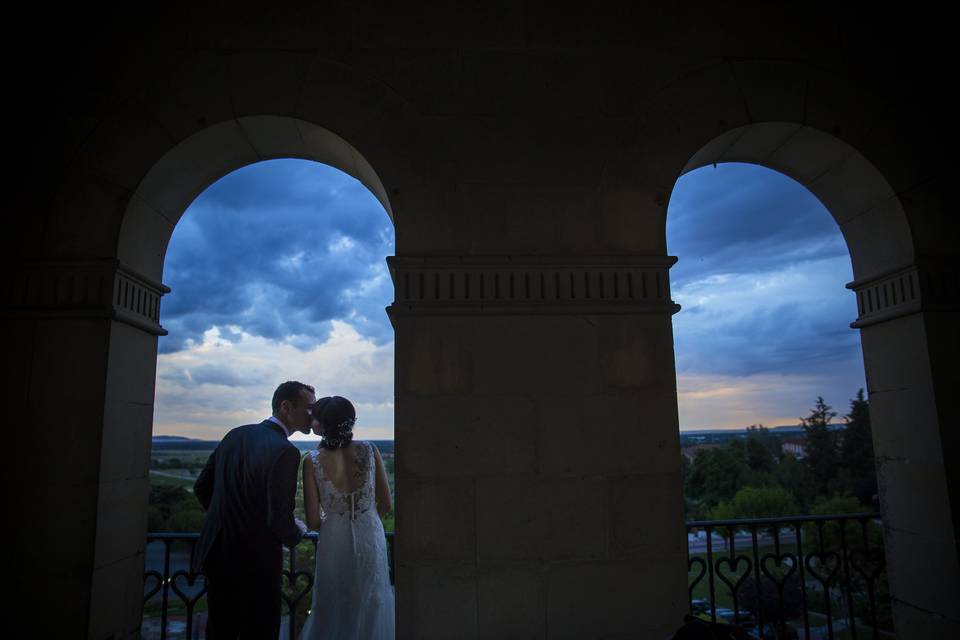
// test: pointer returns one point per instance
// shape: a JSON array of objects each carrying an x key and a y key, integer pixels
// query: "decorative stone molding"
[
  {"x": 85, "y": 289},
  {"x": 473, "y": 285},
  {"x": 903, "y": 291}
]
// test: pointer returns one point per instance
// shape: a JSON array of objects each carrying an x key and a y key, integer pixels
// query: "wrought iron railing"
[
  {"x": 770, "y": 576},
  {"x": 773, "y": 576},
  {"x": 180, "y": 590}
]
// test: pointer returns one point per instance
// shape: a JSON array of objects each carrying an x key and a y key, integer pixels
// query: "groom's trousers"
[{"x": 241, "y": 603}]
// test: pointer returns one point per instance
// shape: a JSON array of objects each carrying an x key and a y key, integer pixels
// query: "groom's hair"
[{"x": 289, "y": 390}]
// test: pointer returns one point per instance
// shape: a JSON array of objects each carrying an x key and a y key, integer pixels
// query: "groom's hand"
[{"x": 300, "y": 525}]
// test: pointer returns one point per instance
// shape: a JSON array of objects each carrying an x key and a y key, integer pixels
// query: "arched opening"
[
  {"x": 154, "y": 209},
  {"x": 183, "y": 173},
  {"x": 888, "y": 287},
  {"x": 763, "y": 336},
  {"x": 760, "y": 276},
  {"x": 864, "y": 205},
  {"x": 277, "y": 272}
]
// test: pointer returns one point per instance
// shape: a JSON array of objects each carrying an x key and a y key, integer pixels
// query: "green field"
[{"x": 175, "y": 465}]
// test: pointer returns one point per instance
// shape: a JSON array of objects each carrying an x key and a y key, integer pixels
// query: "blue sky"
[
  {"x": 277, "y": 271},
  {"x": 764, "y": 327}
]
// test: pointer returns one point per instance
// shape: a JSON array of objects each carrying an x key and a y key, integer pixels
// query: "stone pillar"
[
  {"x": 538, "y": 463},
  {"x": 908, "y": 325},
  {"x": 84, "y": 365}
]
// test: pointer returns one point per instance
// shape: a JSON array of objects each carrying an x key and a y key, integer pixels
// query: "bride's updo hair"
[{"x": 336, "y": 416}]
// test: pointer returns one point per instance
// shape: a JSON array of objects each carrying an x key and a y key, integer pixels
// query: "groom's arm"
[
  {"x": 281, "y": 497},
  {"x": 203, "y": 487}
]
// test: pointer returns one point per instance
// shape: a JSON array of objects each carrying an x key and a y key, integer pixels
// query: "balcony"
[
  {"x": 818, "y": 577},
  {"x": 174, "y": 602}
]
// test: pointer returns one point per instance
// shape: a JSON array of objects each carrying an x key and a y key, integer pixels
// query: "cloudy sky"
[
  {"x": 764, "y": 327},
  {"x": 278, "y": 272}
]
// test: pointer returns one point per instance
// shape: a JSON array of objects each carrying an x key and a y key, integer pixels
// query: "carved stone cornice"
[
  {"x": 84, "y": 289},
  {"x": 483, "y": 285},
  {"x": 901, "y": 292}
]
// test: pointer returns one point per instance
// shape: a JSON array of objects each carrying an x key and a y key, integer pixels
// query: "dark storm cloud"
[
  {"x": 279, "y": 249},
  {"x": 741, "y": 218},
  {"x": 788, "y": 339},
  {"x": 760, "y": 276}
]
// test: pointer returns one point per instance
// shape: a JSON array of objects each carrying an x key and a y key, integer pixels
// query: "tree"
[
  {"x": 685, "y": 465},
  {"x": 760, "y": 453},
  {"x": 827, "y": 533},
  {"x": 188, "y": 520},
  {"x": 716, "y": 475},
  {"x": 762, "y": 449},
  {"x": 822, "y": 458},
  {"x": 764, "y": 502},
  {"x": 856, "y": 452},
  {"x": 756, "y": 502},
  {"x": 166, "y": 501},
  {"x": 155, "y": 520},
  {"x": 790, "y": 474}
]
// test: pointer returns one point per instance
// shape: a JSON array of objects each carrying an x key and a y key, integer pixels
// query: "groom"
[{"x": 247, "y": 488}]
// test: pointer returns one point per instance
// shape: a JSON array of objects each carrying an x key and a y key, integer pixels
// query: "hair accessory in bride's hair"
[
  {"x": 336, "y": 416},
  {"x": 338, "y": 435}
]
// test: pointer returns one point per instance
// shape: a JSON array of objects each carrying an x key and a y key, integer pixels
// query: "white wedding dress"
[{"x": 352, "y": 594}]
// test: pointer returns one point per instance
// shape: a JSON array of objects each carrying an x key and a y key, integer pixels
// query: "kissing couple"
[{"x": 248, "y": 489}]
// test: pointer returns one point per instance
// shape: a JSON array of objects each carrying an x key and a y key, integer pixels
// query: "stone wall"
[{"x": 536, "y": 435}]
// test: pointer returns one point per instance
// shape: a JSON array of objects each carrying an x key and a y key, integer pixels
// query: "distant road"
[
  {"x": 745, "y": 543},
  {"x": 171, "y": 475},
  {"x": 185, "y": 481}
]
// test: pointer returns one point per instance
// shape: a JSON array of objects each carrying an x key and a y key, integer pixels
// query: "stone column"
[
  {"x": 538, "y": 463},
  {"x": 83, "y": 361},
  {"x": 908, "y": 325}
]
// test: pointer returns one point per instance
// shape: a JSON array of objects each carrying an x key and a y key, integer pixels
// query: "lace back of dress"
[{"x": 359, "y": 496}]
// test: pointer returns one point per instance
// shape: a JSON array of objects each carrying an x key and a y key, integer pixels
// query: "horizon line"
[{"x": 682, "y": 430}]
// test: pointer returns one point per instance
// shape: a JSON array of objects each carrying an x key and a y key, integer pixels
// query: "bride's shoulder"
[
  {"x": 361, "y": 445},
  {"x": 365, "y": 447}
]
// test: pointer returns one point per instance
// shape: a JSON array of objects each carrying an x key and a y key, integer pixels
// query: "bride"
[{"x": 345, "y": 494}]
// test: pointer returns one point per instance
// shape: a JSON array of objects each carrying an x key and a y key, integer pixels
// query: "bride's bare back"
[
  {"x": 341, "y": 467},
  {"x": 347, "y": 470}
]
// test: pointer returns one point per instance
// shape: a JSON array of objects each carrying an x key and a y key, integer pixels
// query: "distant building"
[{"x": 794, "y": 446}]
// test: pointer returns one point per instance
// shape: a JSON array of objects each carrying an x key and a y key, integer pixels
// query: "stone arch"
[
  {"x": 186, "y": 170},
  {"x": 121, "y": 167},
  {"x": 153, "y": 210},
  {"x": 896, "y": 287},
  {"x": 864, "y": 205}
]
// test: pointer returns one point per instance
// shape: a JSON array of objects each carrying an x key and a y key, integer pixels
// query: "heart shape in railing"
[
  {"x": 868, "y": 563},
  {"x": 703, "y": 571},
  {"x": 155, "y": 590},
  {"x": 733, "y": 565},
  {"x": 292, "y": 578},
  {"x": 778, "y": 559},
  {"x": 191, "y": 580},
  {"x": 828, "y": 560}
]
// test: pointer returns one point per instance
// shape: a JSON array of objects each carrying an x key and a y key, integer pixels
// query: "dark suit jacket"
[{"x": 248, "y": 488}]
